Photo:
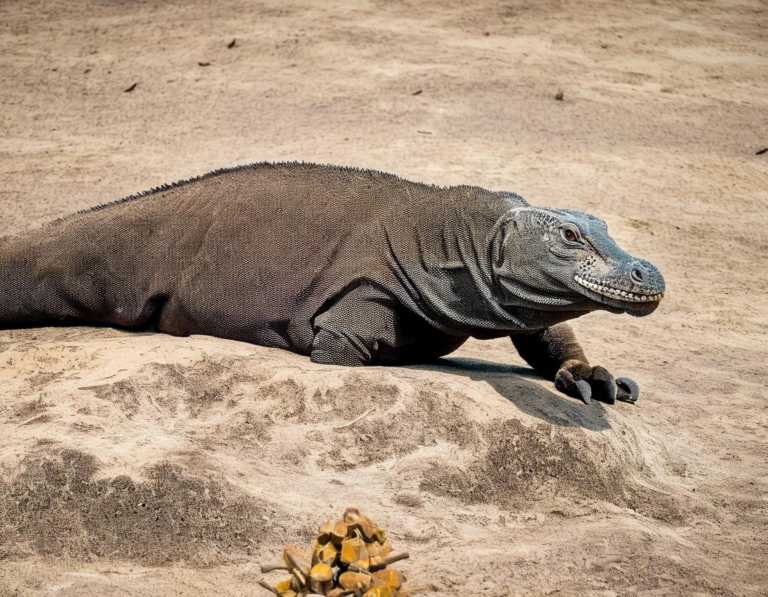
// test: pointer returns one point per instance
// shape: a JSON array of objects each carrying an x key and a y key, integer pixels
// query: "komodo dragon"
[{"x": 348, "y": 266}]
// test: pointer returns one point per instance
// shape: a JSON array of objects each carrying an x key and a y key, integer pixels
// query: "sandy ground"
[{"x": 140, "y": 464}]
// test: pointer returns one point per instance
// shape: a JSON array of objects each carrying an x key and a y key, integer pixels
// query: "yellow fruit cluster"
[{"x": 349, "y": 557}]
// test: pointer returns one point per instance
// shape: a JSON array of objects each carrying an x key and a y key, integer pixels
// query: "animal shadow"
[{"x": 513, "y": 383}]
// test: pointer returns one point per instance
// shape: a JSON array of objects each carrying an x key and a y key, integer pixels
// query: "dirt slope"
[{"x": 140, "y": 464}]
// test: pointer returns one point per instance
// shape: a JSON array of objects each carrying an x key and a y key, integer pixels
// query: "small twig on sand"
[
  {"x": 360, "y": 418},
  {"x": 270, "y": 567},
  {"x": 390, "y": 560},
  {"x": 160, "y": 410},
  {"x": 32, "y": 420},
  {"x": 269, "y": 588}
]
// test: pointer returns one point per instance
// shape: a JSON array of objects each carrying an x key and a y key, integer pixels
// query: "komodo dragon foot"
[
  {"x": 555, "y": 353},
  {"x": 582, "y": 381}
]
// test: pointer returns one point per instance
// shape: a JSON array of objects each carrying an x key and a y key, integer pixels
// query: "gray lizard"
[{"x": 348, "y": 266}]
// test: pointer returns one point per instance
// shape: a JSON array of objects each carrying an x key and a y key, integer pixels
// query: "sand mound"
[{"x": 200, "y": 452}]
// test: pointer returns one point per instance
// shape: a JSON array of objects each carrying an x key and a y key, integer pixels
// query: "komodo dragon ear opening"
[{"x": 515, "y": 220}]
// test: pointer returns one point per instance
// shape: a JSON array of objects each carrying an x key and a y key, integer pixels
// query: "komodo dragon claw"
[
  {"x": 603, "y": 384},
  {"x": 585, "y": 391},
  {"x": 580, "y": 388},
  {"x": 629, "y": 391}
]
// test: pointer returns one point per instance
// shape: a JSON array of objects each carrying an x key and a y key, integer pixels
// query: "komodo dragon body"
[{"x": 351, "y": 267}]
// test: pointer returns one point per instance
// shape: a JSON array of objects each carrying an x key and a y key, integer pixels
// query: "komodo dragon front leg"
[
  {"x": 369, "y": 326},
  {"x": 555, "y": 353}
]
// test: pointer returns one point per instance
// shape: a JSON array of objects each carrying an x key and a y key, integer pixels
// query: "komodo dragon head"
[{"x": 565, "y": 260}]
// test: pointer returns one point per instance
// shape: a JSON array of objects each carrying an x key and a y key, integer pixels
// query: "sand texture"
[{"x": 142, "y": 464}]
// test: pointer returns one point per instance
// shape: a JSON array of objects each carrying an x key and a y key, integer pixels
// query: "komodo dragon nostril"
[{"x": 638, "y": 275}]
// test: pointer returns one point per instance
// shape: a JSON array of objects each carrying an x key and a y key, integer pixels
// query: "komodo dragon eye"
[{"x": 570, "y": 233}]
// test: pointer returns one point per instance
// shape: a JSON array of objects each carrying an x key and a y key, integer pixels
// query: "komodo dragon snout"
[{"x": 565, "y": 260}]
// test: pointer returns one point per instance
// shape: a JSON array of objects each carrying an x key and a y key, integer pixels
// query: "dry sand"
[{"x": 140, "y": 464}]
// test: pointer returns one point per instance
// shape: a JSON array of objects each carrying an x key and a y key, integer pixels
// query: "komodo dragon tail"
[
  {"x": 40, "y": 286},
  {"x": 18, "y": 282},
  {"x": 50, "y": 277},
  {"x": 12, "y": 289}
]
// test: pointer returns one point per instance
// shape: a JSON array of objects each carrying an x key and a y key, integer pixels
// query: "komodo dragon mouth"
[
  {"x": 621, "y": 301},
  {"x": 600, "y": 287}
]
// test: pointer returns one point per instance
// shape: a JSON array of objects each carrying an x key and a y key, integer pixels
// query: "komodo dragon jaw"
[
  {"x": 637, "y": 302},
  {"x": 606, "y": 274}
]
